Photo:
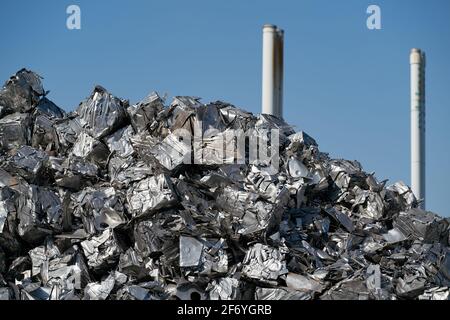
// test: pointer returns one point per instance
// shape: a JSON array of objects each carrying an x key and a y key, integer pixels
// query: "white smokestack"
[
  {"x": 417, "y": 62},
  {"x": 272, "y": 75}
]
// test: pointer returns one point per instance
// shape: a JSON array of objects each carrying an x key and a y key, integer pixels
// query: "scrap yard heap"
[{"x": 108, "y": 202}]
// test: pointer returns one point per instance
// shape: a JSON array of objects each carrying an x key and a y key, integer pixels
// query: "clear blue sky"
[{"x": 345, "y": 85}]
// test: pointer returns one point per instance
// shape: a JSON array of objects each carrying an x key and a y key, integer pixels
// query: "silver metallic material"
[{"x": 152, "y": 202}]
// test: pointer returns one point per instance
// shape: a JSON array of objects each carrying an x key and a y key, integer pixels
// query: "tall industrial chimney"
[
  {"x": 417, "y": 62},
  {"x": 279, "y": 72},
  {"x": 272, "y": 75}
]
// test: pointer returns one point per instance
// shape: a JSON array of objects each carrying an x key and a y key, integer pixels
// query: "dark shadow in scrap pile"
[{"x": 102, "y": 203}]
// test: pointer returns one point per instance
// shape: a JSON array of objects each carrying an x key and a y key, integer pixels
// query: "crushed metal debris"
[{"x": 110, "y": 201}]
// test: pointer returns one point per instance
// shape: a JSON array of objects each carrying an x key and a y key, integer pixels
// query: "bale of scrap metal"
[{"x": 197, "y": 201}]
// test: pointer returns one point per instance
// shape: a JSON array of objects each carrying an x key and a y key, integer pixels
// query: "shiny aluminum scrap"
[{"x": 150, "y": 201}]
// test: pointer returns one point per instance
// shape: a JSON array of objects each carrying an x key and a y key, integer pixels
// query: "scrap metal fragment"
[
  {"x": 420, "y": 224},
  {"x": 102, "y": 113},
  {"x": 15, "y": 131},
  {"x": 223, "y": 289},
  {"x": 22, "y": 91},
  {"x": 102, "y": 251},
  {"x": 145, "y": 112},
  {"x": 151, "y": 194},
  {"x": 119, "y": 142},
  {"x": 99, "y": 290},
  {"x": 302, "y": 283},
  {"x": 264, "y": 263},
  {"x": 281, "y": 294},
  {"x": 436, "y": 293},
  {"x": 91, "y": 149},
  {"x": 190, "y": 252}
]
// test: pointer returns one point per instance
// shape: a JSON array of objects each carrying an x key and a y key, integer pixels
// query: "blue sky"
[{"x": 345, "y": 85}]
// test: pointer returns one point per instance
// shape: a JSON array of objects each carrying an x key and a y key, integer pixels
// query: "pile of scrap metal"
[{"x": 120, "y": 201}]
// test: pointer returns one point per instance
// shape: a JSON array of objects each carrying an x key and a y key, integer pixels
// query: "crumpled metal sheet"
[
  {"x": 348, "y": 289},
  {"x": 102, "y": 113},
  {"x": 73, "y": 172},
  {"x": 119, "y": 142},
  {"x": 341, "y": 218},
  {"x": 403, "y": 194},
  {"x": 143, "y": 114},
  {"x": 301, "y": 283},
  {"x": 172, "y": 152},
  {"x": 410, "y": 286},
  {"x": 251, "y": 213},
  {"x": 190, "y": 252},
  {"x": 123, "y": 172},
  {"x": 44, "y": 135},
  {"x": 67, "y": 129},
  {"x": 145, "y": 202},
  {"x": 224, "y": 289},
  {"x": 99, "y": 208},
  {"x": 3, "y": 214},
  {"x": 302, "y": 138},
  {"x": 29, "y": 163},
  {"x": 5, "y": 293},
  {"x": 264, "y": 263},
  {"x": 39, "y": 212},
  {"x": 153, "y": 238},
  {"x": 15, "y": 130},
  {"x": 99, "y": 290},
  {"x": 91, "y": 149},
  {"x": 151, "y": 194},
  {"x": 102, "y": 251},
  {"x": 150, "y": 290},
  {"x": 61, "y": 275},
  {"x": 419, "y": 224},
  {"x": 10, "y": 244},
  {"x": 443, "y": 275},
  {"x": 21, "y": 92},
  {"x": 203, "y": 255},
  {"x": 280, "y": 294},
  {"x": 47, "y": 108},
  {"x": 435, "y": 294}
]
